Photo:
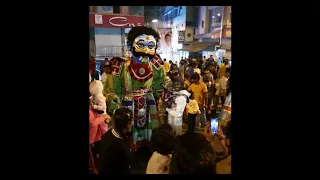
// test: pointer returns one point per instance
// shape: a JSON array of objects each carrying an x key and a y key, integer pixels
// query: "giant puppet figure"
[{"x": 135, "y": 83}]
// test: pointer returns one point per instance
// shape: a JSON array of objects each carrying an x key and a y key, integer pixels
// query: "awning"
[
  {"x": 226, "y": 44},
  {"x": 197, "y": 46}
]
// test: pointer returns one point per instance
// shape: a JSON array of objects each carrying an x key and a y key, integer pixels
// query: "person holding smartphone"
[
  {"x": 223, "y": 158},
  {"x": 217, "y": 140}
]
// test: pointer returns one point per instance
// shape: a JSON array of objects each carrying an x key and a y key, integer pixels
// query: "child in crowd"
[
  {"x": 193, "y": 110},
  {"x": 98, "y": 99},
  {"x": 186, "y": 81},
  {"x": 162, "y": 142},
  {"x": 177, "y": 81}
]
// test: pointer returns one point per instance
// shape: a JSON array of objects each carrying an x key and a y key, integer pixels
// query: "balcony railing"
[{"x": 110, "y": 51}]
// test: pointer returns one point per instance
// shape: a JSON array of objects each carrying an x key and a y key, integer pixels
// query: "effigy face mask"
[{"x": 145, "y": 46}]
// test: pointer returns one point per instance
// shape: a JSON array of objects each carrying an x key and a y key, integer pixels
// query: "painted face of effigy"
[{"x": 144, "y": 48}]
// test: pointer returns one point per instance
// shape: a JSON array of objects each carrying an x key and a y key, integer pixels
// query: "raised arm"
[{"x": 95, "y": 121}]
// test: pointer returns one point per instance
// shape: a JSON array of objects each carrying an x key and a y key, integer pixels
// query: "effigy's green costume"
[{"x": 135, "y": 83}]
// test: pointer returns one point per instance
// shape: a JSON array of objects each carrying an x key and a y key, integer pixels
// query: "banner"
[
  {"x": 181, "y": 37},
  {"x": 115, "y": 21},
  {"x": 165, "y": 49},
  {"x": 189, "y": 32}
]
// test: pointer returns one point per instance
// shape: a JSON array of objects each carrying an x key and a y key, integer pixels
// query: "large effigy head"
[{"x": 142, "y": 42}]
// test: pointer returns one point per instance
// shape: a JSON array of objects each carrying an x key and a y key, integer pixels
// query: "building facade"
[
  {"x": 181, "y": 23},
  {"x": 109, "y": 26},
  {"x": 214, "y": 25}
]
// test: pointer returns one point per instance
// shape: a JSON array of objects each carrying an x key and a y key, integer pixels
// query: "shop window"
[
  {"x": 174, "y": 13},
  {"x": 166, "y": 17},
  {"x": 136, "y": 10},
  {"x": 93, "y": 9},
  {"x": 116, "y": 9}
]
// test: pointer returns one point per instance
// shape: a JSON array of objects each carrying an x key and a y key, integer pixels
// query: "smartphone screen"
[{"x": 214, "y": 125}]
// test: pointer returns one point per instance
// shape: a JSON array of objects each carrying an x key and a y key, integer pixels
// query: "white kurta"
[{"x": 175, "y": 114}]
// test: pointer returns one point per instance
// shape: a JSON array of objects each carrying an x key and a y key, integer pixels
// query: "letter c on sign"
[{"x": 118, "y": 25}]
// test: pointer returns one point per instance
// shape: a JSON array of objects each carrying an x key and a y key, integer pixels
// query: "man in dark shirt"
[
  {"x": 113, "y": 155},
  {"x": 114, "y": 149}
]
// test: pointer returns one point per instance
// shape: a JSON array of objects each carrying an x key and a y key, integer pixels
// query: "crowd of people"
[{"x": 206, "y": 82}]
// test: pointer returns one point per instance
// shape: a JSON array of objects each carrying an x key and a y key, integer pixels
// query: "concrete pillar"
[{"x": 207, "y": 20}]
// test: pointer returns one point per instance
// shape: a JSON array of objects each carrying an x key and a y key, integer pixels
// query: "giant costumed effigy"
[{"x": 136, "y": 83}]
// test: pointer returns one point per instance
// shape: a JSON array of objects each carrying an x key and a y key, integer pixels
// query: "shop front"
[{"x": 110, "y": 33}]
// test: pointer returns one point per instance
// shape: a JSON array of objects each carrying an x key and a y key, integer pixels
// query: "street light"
[{"x": 154, "y": 21}]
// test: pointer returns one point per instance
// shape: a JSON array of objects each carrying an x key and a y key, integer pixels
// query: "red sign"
[{"x": 117, "y": 21}]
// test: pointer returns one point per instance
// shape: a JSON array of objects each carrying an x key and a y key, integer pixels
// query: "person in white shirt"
[
  {"x": 221, "y": 90},
  {"x": 162, "y": 141},
  {"x": 175, "y": 113}
]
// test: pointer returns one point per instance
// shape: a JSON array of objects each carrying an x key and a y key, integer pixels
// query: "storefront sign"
[
  {"x": 116, "y": 21},
  {"x": 180, "y": 37},
  {"x": 98, "y": 19}
]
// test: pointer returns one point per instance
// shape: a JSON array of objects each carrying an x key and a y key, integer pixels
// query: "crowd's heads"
[
  {"x": 186, "y": 76},
  {"x": 206, "y": 70},
  {"x": 193, "y": 154},
  {"x": 143, "y": 42},
  {"x": 174, "y": 67},
  {"x": 165, "y": 60},
  {"x": 226, "y": 61},
  {"x": 162, "y": 139},
  {"x": 174, "y": 75},
  {"x": 194, "y": 63},
  {"x": 122, "y": 119},
  {"x": 195, "y": 78}
]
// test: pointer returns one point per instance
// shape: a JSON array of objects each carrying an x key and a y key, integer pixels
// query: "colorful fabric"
[
  {"x": 143, "y": 105},
  {"x": 140, "y": 72}
]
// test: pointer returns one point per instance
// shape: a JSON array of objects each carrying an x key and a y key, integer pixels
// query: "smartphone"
[{"x": 214, "y": 125}]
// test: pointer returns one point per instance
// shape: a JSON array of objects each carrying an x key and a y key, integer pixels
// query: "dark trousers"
[
  {"x": 191, "y": 122},
  {"x": 216, "y": 101}
]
